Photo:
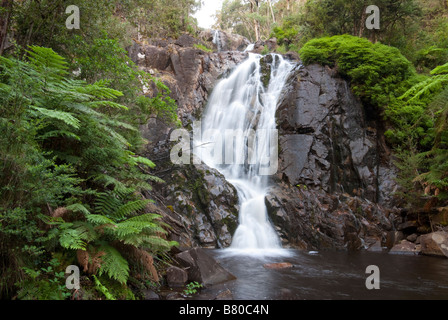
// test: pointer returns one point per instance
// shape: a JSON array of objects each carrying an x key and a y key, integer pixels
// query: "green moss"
[{"x": 377, "y": 72}]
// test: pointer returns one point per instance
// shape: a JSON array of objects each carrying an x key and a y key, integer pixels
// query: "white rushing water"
[
  {"x": 238, "y": 129},
  {"x": 217, "y": 40}
]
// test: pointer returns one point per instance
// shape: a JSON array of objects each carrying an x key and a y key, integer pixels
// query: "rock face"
[
  {"x": 202, "y": 195},
  {"x": 334, "y": 183},
  {"x": 224, "y": 41},
  {"x": 326, "y": 141},
  {"x": 203, "y": 268}
]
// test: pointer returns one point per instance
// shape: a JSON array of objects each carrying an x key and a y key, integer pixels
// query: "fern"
[
  {"x": 66, "y": 117},
  {"x": 114, "y": 265},
  {"x": 78, "y": 207},
  {"x": 101, "y": 288},
  {"x": 45, "y": 59},
  {"x": 130, "y": 208},
  {"x": 72, "y": 239}
]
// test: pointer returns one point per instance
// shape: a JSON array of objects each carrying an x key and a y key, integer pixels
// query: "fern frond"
[
  {"x": 142, "y": 160},
  {"x": 72, "y": 239},
  {"x": 101, "y": 288},
  {"x": 129, "y": 208},
  {"x": 151, "y": 242},
  {"x": 66, "y": 117},
  {"x": 108, "y": 180},
  {"x": 106, "y": 103},
  {"x": 440, "y": 69},
  {"x": 115, "y": 135},
  {"x": 78, "y": 207},
  {"x": 58, "y": 133},
  {"x": 98, "y": 219},
  {"x": 114, "y": 265},
  {"x": 45, "y": 58}
]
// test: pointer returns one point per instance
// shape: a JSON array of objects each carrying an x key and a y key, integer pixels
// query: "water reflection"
[{"x": 335, "y": 275}]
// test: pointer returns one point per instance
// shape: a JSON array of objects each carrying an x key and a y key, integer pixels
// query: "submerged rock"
[{"x": 277, "y": 266}]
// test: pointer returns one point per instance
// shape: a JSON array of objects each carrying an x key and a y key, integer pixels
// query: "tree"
[{"x": 5, "y": 15}]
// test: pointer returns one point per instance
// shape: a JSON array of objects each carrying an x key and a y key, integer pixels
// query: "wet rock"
[
  {"x": 176, "y": 277},
  {"x": 327, "y": 141},
  {"x": 405, "y": 247},
  {"x": 203, "y": 196},
  {"x": 174, "y": 296},
  {"x": 224, "y": 295},
  {"x": 376, "y": 247},
  {"x": 393, "y": 238},
  {"x": 278, "y": 266},
  {"x": 408, "y": 226},
  {"x": 228, "y": 41},
  {"x": 412, "y": 238},
  {"x": 441, "y": 217},
  {"x": 150, "y": 295},
  {"x": 312, "y": 220},
  {"x": 334, "y": 182},
  {"x": 435, "y": 244},
  {"x": 203, "y": 268}
]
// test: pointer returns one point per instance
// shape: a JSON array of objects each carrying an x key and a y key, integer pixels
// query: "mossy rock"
[{"x": 266, "y": 67}]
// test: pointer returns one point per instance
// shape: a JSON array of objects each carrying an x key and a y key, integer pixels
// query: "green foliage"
[
  {"x": 420, "y": 117},
  {"x": 202, "y": 47},
  {"x": 44, "y": 284},
  {"x": 192, "y": 288},
  {"x": 66, "y": 144},
  {"x": 376, "y": 71},
  {"x": 101, "y": 288}
]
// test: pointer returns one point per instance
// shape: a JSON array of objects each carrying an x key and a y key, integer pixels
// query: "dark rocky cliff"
[{"x": 334, "y": 184}]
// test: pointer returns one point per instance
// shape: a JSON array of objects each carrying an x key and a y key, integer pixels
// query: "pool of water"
[{"x": 335, "y": 276}]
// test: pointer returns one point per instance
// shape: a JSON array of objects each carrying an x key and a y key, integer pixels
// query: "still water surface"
[{"x": 335, "y": 276}]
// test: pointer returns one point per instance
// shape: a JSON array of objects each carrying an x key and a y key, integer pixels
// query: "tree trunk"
[
  {"x": 272, "y": 10},
  {"x": 254, "y": 9},
  {"x": 6, "y": 8}
]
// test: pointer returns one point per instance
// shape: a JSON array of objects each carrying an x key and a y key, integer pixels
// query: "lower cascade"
[{"x": 238, "y": 138}]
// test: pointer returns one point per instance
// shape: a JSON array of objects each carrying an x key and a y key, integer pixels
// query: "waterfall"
[
  {"x": 239, "y": 139},
  {"x": 217, "y": 40},
  {"x": 250, "y": 47}
]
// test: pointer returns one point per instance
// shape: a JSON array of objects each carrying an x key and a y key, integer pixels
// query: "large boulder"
[
  {"x": 203, "y": 268},
  {"x": 327, "y": 139},
  {"x": 435, "y": 244},
  {"x": 311, "y": 219},
  {"x": 405, "y": 247},
  {"x": 176, "y": 277}
]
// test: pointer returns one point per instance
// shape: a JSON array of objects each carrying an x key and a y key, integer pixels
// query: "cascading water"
[
  {"x": 243, "y": 108},
  {"x": 217, "y": 40}
]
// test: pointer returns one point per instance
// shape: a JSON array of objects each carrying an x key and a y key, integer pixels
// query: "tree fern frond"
[
  {"x": 58, "y": 133},
  {"x": 130, "y": 208},
  {"x": 99, "y": 219},
  {"x": 72, "y": 239},
  {"x": 45, "y": 58},
  {"x": 66, "y": 117},
  {"x": 109, "y": 180},
  {"x": 440, "y": 69},
  {"x": 142, "y": 160},
  {"x": 114, "y": 265},
  {"x": 151, "y": 242},
  {"x": 106, "y": 103},
  {"x": 115, "y": 135},
  {"x": 78, "y": 207}
]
